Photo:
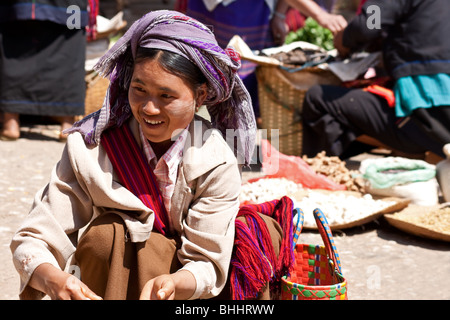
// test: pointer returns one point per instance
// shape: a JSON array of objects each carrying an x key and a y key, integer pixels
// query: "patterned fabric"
[
  {"x": 130, "y": 164},
  {"x": 91, "y": 28},
  {"x": 247, "y": 18},
  {"x": 228, "y": 101},
  {"x": 254, "y": 263},
  {"x": 166, "y": 168}
]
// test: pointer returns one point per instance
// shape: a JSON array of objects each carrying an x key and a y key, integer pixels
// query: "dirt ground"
[{"x": 379, "y": 261}]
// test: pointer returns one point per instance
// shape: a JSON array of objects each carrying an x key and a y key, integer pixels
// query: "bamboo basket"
[
  {"x": 281, "y": 94},
  {"x": 96, "y": 87}
]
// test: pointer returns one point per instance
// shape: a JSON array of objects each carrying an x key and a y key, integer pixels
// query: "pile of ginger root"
[{"x": 335, "y": 169}]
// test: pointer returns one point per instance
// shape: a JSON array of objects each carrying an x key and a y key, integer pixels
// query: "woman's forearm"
[
  {"x": 39, "y": 276},
  {"x": 60, "y": 285},
  {"x": 185, "y": 284},
  {"x": 307, "y": 7}
]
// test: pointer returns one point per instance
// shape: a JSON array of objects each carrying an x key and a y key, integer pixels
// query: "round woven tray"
[
  {"x": 404, "y": 220},
  {"x": 398, "y": 204}
]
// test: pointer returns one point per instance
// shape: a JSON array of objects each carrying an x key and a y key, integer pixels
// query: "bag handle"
[
  {"x": 327, "y": 237},
  {"x": 298, "y": 225},
  {"x": 325, "y": 233}
]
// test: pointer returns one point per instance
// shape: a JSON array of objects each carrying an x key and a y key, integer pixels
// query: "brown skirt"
[{"x": 117, "y": 269}]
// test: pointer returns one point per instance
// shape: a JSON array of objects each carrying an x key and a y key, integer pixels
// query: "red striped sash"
[
  {"x": 253, "y": 263},
  {"x": 134, "y": 172}
]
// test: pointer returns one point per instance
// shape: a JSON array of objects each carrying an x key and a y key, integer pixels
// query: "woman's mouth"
[{"x": 152, "y": 122}]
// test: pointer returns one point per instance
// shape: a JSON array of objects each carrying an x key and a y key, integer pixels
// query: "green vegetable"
[{"x": 313, "y": 33}]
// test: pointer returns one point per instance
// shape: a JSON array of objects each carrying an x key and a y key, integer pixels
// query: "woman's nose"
[{"x": 150, "y": 107}]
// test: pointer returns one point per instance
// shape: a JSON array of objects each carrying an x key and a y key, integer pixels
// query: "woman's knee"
[
  {"x": 274, "y": 229},
  {"x": 313, "y": 94},
  {"x": 98, "y": 240}
]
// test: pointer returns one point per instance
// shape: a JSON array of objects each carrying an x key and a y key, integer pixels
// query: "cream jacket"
[{"x": 83, "y": 186}]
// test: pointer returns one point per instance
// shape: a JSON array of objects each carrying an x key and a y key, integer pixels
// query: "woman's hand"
[
  {"x": 179, "y": 285},
  {"x": 60, "y": 285},
  {"x": 279, "y": 29},
  {"x": 338, "y": 44},
  {"x": 159, "y": 288}
]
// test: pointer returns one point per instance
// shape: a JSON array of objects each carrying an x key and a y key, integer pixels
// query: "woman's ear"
[{"x": 201, "y": 94}]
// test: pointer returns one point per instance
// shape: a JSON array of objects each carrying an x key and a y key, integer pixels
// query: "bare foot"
[
  {"x": 11, "y": 127},
  {"x": 66, "y": 123}
]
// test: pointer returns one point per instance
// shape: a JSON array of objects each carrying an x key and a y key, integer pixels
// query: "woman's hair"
[{"x": 175, "y": 64}]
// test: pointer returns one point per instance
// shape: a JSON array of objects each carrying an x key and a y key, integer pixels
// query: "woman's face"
[{"x": 160, "y": 101}]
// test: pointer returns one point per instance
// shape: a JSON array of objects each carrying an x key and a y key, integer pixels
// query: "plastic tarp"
[{"x": 278, "y": 165}]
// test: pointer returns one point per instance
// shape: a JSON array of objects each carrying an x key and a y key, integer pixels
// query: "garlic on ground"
[
  {"x": 268, "y": 189},
  {"x": 338, "y": 208}
]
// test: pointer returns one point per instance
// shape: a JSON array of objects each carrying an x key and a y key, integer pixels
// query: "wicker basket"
[
  {"x": 96, "y": 87},
  {"x": 312, "y": 279},
  {"x": 317, "y": 272},
  {"x": 281, "y": 95}
]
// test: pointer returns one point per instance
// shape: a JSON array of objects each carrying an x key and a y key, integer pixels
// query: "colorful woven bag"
[{"x": 317, "y": 273}]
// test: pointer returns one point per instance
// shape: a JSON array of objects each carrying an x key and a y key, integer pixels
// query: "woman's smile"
[{"x": 152, "y": 122}]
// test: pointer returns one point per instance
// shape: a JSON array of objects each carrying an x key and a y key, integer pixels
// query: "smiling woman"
[
  {"x": 164, "y": 92},
  {"x": 159, "y": 210}
]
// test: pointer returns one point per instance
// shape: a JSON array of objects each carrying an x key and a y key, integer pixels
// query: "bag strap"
[{"x": 325, "y": 233}]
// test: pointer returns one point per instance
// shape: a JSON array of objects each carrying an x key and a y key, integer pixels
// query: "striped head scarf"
[{"x": 228, "y": 101}]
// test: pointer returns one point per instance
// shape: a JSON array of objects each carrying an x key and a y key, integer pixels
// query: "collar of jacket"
[{"x": 201, "y": 151}]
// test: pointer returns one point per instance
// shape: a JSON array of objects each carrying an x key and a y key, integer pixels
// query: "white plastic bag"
[{"x": 423, "y": 193}]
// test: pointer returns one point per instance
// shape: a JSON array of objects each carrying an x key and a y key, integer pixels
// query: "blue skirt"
[{"x": 42, "y": 68}]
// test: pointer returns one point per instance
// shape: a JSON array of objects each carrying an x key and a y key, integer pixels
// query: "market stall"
[{"x": 349, "y": 198}]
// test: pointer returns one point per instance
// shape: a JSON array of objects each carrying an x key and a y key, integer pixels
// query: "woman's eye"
[
  {"x": 166, "y": 96},
  {"x": 139, "y": 89}
]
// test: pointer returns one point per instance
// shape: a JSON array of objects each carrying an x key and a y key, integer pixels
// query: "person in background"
[
  {"x": 42, "y": 61},
  {"x": 416, "y": 54},
  {"x": 156, "y": 186},
  {"x": 261, "y": 24}
]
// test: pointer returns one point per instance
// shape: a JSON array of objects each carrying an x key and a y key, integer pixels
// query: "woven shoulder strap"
[{"x": 134, "y": 171}]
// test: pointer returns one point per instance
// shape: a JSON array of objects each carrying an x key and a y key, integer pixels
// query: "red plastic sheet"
[{"x": 278, "y": 165}]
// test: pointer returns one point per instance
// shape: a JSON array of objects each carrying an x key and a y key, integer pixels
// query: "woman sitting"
[{"x": 156, "y": 186}]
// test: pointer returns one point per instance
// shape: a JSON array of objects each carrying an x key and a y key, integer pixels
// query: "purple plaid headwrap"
[{"x": 228, "y": 101}]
